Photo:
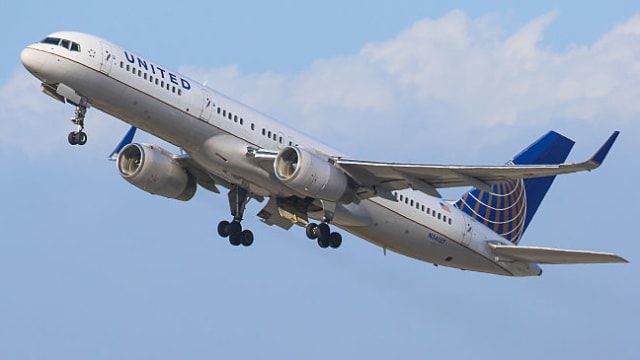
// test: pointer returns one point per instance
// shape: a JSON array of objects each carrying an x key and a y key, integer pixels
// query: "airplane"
[{"x": 224, "y": 143}]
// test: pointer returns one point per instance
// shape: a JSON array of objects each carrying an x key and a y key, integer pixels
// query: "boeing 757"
[{"x": 227, "y": 144}]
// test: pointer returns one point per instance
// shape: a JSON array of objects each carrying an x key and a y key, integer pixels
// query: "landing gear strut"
[
  {"x": 238, "y": 199},
  {"x": 322, "y": 232},
  {"x": 79, "y": 137}
]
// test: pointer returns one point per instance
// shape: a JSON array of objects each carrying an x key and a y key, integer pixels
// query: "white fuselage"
[{"x": 216, "y": 130}]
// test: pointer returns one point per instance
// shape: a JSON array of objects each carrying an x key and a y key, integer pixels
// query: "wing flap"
[{"x": 543, "y": 255}]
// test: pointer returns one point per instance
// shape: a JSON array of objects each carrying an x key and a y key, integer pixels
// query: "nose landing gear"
[{"x": 79, "y": 137}]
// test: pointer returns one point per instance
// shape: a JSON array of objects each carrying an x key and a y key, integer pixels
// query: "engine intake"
[
  {"x": 154, "y": 170},
  {"x": 311, "y": 175}
]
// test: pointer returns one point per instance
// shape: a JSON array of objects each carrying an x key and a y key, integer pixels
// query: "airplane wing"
[
  {"x": 542, "y": 255},
  {"x": 428, "y": 178}
]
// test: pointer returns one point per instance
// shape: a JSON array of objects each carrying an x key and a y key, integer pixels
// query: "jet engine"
[
  {"x": 154, "y": 170},
  {"x": 311, "y": 175}
]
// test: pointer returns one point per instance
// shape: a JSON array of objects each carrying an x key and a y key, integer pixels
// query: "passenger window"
[
  {"x": 444, "y": 218},
  {"x": 439, "y": 216},
  {"x": 235, "y": 118},
  {"x": 449, "y": 221},
  {"x": 264, "y": 132},
  {"x": 253, "y": 126},
  {"x": 179, "y": 91},
  {"x": 241, "y": 121},
  {"x": 219, "y": 110},
  {"x": 269, "y": 134}
]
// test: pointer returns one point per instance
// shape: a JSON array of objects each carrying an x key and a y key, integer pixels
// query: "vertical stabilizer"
[{"x": 509, "y": 207}]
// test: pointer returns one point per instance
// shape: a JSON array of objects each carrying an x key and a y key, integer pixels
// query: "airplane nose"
[{"x": 32, "y": 60}]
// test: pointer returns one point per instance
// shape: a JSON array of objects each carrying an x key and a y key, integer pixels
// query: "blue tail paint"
[{"x": 509, "y": 207}]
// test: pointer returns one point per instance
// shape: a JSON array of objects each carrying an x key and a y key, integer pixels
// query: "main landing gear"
[
  {"x": 238, "y": 199},
  {"x": 79, "y": 137},
  {"x": 322, "y": 232}
]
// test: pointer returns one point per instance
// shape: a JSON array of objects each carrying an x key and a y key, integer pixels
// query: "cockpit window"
[
  {"x": 51, "y": 40},
  {"x": 67, "y": 44}
]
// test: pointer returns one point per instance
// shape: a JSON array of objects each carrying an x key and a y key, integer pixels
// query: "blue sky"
[{"x": 91, "y": 267}]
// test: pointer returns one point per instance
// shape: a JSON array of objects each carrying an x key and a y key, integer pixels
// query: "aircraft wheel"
[
  {"x": 223, "y": 228},
  {"x": 81, "y": 138},
  {"x": 235, "y": 229},
  {"x": 335, "y": 240},
  {"x": 235, "y": 239},
  {"x": 235, "y": 233},
  {"x": 247, "y": 238},
  {"x": 72, "y": 138},
  {"x": 312, "y": 231}
]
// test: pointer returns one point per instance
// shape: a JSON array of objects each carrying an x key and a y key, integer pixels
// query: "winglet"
[
  {"x": 599, "y": 156},
  {"x": 126, "y": 140}
]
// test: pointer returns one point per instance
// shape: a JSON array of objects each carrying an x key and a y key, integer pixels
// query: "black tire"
[
  {"x": 235, "y": 239},
  {"x": 235, "y": 229},
  {"x": 335, "y": 240},
  {"x": 247, "y": 238},
  {"x": 81, "y": 138},
  {"x": 72, "y": 138},
  {"x": 323, "y": 235},
  {"x": 312, "y": 231},
  {"x": 323, "y": 243},
  {"x": 324, "y": 231},
  {"x": 223, "y": 228}
]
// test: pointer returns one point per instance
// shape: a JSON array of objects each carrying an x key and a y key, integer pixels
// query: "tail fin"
[{"x": 509, "y": 207}]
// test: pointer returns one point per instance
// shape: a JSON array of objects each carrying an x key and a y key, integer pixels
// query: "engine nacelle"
[
  {"x": 311, "y": 175},
  {"x": 154, "y": 170}
]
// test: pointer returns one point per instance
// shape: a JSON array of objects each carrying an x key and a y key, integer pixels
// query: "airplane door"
[
  {"x": 107, "y": 58},
  {"x": 207, "y": 106},
  {"x": 469, "y": 231}
]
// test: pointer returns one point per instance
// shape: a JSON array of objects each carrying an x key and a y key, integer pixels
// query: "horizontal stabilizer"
[{"x": 542, "y": 255}]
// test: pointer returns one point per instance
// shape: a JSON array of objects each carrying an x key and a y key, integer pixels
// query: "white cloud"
[
  {"x": 451, "y": 79},
  {"x": 454, "y": 79}
]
